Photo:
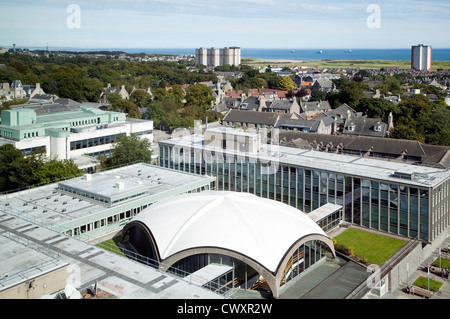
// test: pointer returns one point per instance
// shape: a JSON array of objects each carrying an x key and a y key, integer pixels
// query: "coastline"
[{"x": 361, "y": 64}]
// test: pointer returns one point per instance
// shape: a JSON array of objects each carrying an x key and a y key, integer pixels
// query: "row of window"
[
  {"x": 119, "y": 219},
  {"x": 391, "y": 207},
  {"x": 96, "y": 141}
]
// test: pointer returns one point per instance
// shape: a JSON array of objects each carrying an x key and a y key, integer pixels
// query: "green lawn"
[
  {"x": 111, "y": 245},
  {"x": 422, "y": 282},
  {"x": 375, "y": 248},
  {"x": 445, "y": 263}
]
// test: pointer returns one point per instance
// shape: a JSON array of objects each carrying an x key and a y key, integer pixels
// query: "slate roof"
[
  {"x": 280, "y": 105},
  {"x": 315, "y": 106},
  {"x": 365, "y": 126},
  {"x": 428, "y": 155},
  {"x": 253, "y": 117}
]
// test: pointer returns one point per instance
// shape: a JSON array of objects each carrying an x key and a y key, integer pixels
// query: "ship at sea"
[
  {"x": 319, "y": 52},
  {"x": 348, "y": 51}
]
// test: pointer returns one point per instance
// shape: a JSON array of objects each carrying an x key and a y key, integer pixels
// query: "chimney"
[
  {"x": 390, "y": 121},
  {"x": 87, "y": 177},
  {"x": 262, "y": 102}
]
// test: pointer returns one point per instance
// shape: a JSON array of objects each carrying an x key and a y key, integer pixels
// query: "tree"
[
  {"x": 92, "y": 88},
  {"x": 199, "y": 94},
  {"x": 405, "y": 132},
  {"x": 18, "y": 171},
  {"x": 318, "y": 96},
  {"x": 128, "y": 107},
  {"x": 129, "y": 149},
  {"x": 140, "y": 98},
  {"x": 351, "y": 92},
  {"x": 377, "y": 107},
  {"x": 286, "y": 84},
  {"x": 66, "y": 82}
]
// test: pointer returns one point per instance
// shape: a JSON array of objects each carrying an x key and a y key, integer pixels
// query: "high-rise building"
[
  {"x": 216, "y": 57},
  {"x": 421, "y": 57}
]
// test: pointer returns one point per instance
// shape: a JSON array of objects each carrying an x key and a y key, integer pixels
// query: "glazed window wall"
[
  {"x": 304, "y": 257},
  {"x": 91, "y": 142},
  {"x": 390, "y": 207}
]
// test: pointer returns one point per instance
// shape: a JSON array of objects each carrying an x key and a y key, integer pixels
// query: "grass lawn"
[
  {"x": 376, "y": 248},
  {"x": 111, "y": 245},
  {"x": 363, "y": 64},
  {"x": 445, "y": 263},
  {"x": 422, "y": 282}
]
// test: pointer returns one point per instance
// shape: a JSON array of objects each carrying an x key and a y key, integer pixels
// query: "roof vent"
[
  {"x": 87, "y": 177},
  {"x": 404, "y": 175},
  {"x": 120, "y": 185}
]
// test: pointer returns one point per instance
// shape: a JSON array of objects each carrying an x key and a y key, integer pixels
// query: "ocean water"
[{"x": 294, "y": 54}]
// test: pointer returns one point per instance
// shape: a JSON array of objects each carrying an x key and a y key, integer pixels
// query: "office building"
[
  {"x": 101, "y": 203},
  {"x": 421, "y": 57},
  {"x": 216, "y": 57},
  {"x": 48, "y": 237},
  {"x": 389, "y": 196},
  {"x": 70, "y": 134}
]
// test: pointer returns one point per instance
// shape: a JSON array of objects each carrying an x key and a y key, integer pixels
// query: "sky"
[{"x": 323, "y": 24}]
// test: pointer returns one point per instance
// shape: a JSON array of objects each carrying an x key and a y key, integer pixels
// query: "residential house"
[
  {"x": 366, "y": 146},
  {"x": 248, "y": 119},
  {"x": 365, "y": 126},
  {"x": 323, "y": 84},
  {"x": 113, "y": 89},
  {"x": 19, "y": 91},
  {"x": 313, "y": 108}
]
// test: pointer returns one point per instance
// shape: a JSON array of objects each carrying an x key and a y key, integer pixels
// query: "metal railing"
[{"x": 214, "y": 286}]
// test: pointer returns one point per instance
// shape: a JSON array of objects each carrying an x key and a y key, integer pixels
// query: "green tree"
[
  {"x": 377, "y": 107},
  {"x": 18, "y": 171},
  {"x": 130, "y": 149},
  {"x": 92, "y": 88},
  {"x": 67, "y": 82},
  {"x": 199, "y": 94},
  {"x": 8, "y": 155},
  {"x": 405, "y": 132},
  {"x": 140, "y": 98},
  {"x": 128, "y": 107},
  {"x": 286, "y": 84},
  {"x": 351, "y": 92}
]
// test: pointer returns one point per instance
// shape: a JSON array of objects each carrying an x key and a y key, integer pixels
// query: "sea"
[{"x": 438, "y": 54}]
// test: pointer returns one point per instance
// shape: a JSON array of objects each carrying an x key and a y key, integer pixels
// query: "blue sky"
[{"x": 220, "y": 23}]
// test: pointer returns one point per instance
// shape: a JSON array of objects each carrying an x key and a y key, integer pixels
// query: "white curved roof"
[{"x": 258, "y": 228}]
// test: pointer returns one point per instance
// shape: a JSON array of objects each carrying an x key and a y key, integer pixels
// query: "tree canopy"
[
  {"x": 129, "y": 149},
  {"x": 18, "y": 171}
]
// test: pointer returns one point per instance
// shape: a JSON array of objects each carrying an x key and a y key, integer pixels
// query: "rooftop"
[
  {"x": 421, "y": 176},
  {"x": 28, "y": 251},
  {"x": 56, "y": 204}
]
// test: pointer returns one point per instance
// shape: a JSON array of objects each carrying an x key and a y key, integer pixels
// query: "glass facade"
[{"x": 394, "y": 207}]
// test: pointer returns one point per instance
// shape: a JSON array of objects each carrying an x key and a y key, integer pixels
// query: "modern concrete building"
[
  {"x": 216, "y": 57},
  {"x": 246, "y": 240},
  {"x": 421, "y": 57},
  {"x": 101, "y": 203},
  {"x": 389, "y": 196},
  {"x": 71, "y": 134}
]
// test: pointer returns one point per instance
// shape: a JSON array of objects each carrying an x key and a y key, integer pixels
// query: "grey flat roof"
[
  {"x": 331, "y": 162},
  {"x": 50, "y": 206},
  {"x": 28, "y": 250}
]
